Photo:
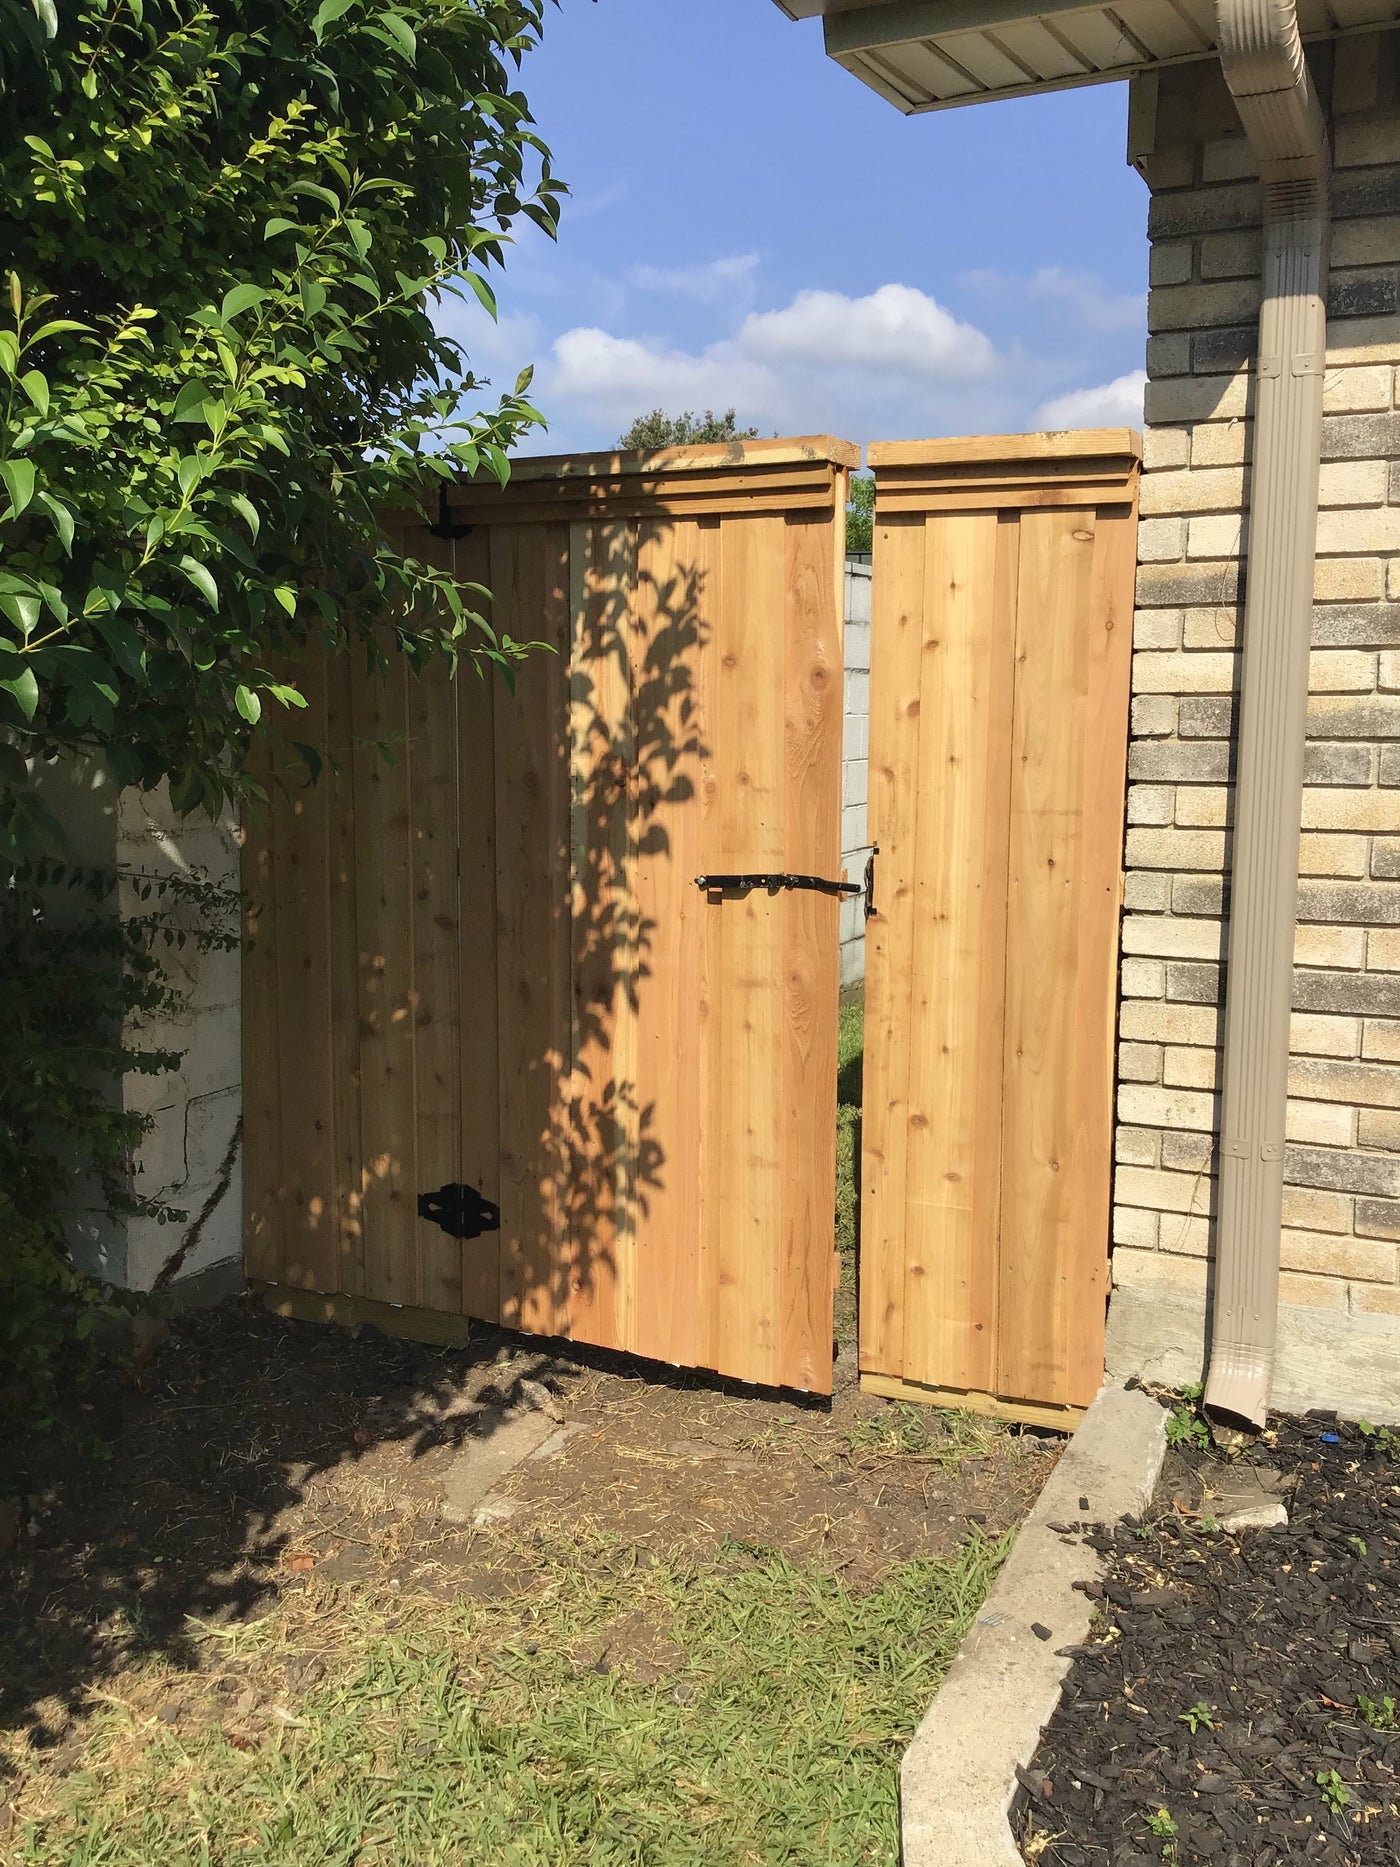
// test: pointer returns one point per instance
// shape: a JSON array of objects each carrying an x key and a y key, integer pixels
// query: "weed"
[
  {"x": 928, "y": 1434},
  {"x": 1164, "y": 1829},
  {"x": 1209, "y": 1524},
  {"x": 1383, "y": 1438},
  {"x": 1186, "y": 1425},
  {"x": 1195, "y": 1716},
  {"x": 1357, "y": 1545},
  {"x": 1333, "y": 1790},
  {"x": 1380, "y": 1716}
]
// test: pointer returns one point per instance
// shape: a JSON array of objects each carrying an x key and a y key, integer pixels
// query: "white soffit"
[{"x": 933, "y": 54}]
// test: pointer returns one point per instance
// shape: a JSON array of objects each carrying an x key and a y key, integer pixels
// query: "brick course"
[{"x": 1342, "y": 1202}]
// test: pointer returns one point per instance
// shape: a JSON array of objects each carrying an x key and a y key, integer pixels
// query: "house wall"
[
  {"x": 854, "y": 758},
  {"x": 1339, "y": 1330},
  {"x": 192, "y": 1157}
]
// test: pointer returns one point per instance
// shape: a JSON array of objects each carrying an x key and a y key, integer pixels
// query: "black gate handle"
[{"x": 744, "y": 883}]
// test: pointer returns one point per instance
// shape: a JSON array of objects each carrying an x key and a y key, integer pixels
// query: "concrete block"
[
  {"x": 1206, "y": 717},
  {"x": 1134, "y": 1228},
  {"x": 1171, "y": 1024},
  {"x": 1169, "y": 262},
  {"x": 1170, "y": 938},
  {"x": 1180, "y": 586},
  {"x": 1379, "y": 1128},
  {"x": 1189, "y": 1066},
  {"x": 1380, "y": 1038},
  {"x": 1330, "y": 946},
  {"x": 1348, "y": 580},
  {"x": 1362, "y": 388},
  {"x": 1204, "y": 895},
  {"x": 1176, "y": 849},
  {"x": 1194, "y": 983},
  {"x": 1308, "y": 1209},
  {"x": 1137, "y": 1147},
  {"x": 958, "y": 1777},
  {"x": 1167, "y": 1108},
  {"x": 1153, "y": 716},
  {"x": 1324, "y": 1123},
  {"x": 1193, "y": 489},
  {"x": 1320, "y": 854},
  {"x": 1314, "y": 1034},
  {"x": 1236, "y": 255},
  {"x": 1203, "y": 806},
  {"x": 1221, "y": 443},
  {"x": 1210, "y": 628},
  {"x": 1361, "y": 437},
  {"x": 1142, "y": 978},
  {"x": 1338, "y": 764},
  {"x": 1218, "y": 536},
  {"x": 1149, "y": 803},
  {"x": 1160, "y": 541}
]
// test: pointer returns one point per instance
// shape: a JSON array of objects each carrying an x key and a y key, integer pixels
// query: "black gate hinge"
[
  {"x": 742, "y": 884},
  {"x": 461, "y": 1211}
]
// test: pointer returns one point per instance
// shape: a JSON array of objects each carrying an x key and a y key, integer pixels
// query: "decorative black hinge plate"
[
  {"x": 742, "y": 884},
  {"x": 461, "y": 1211}
]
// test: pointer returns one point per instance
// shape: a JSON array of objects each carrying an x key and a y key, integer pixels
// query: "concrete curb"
[{"x": 958, "y": 1778}]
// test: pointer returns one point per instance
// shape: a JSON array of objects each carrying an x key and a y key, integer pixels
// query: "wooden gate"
[
  {"x": 1000, "y": 663},
  {"x": 485, "y": 971}
]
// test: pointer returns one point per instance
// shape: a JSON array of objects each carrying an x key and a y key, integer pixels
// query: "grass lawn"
[
  {"x": 702, "y": 1639},
  {"x": 530, "y": 1732}
]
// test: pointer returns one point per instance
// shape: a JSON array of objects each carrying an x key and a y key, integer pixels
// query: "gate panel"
[
  {"x": 1003, "y": 589},
  {"x": 544, "y": 1005}
]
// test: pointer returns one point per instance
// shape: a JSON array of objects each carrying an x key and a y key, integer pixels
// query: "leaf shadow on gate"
[{"x": 635, "y": 751}]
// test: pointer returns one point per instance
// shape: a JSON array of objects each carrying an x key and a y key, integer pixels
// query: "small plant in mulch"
[
  {"x": 1285, "y": 1642},
  {"x": 1186, "y": 1424}
]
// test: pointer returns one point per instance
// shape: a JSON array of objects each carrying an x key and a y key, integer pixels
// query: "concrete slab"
[
  {"x": 503, "y": 1439},
  {"x": 958, "y": 1779}
]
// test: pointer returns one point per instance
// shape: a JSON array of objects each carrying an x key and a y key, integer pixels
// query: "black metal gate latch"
[
  {"x": 461, "y": 1211},
  {"x": 744, "y": 883}
]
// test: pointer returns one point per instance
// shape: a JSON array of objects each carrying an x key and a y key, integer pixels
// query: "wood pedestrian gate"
[
  {"x": 1001, "y": 652},
  {"x": 522, "y": 1044},
  {"x": 486, "y": 995}
]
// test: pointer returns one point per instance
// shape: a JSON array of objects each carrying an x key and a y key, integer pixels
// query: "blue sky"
[{"x": 749, "y": 225}]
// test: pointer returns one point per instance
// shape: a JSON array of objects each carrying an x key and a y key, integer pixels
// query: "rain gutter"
[{"x": 1261, "y": 54}]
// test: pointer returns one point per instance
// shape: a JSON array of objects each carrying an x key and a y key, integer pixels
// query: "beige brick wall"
[{"x": 1341, "y": 1240}]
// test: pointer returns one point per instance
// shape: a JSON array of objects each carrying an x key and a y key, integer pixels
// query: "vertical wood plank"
[
  {"x": 603, "y": 568},
  {"x": 896, "y": 667},
  {"x": 744, "y": 1145},
  {"x": 310, "y": 1258},
  {"x": 436, "y": 974},
  {"x": 957, "y": 966},
  {"x": 342, "y": 962},
  {"x": 262, "y": 1075},
  {"x": 1043, "y": 1142},
  {"x": 811, "y": 954},
  {"x": 676, "y": 590},
  {"x": 530, "y": 585},
  {"x": 479, "y": 949},
  {"x": 384, "y": 917},
  {"x": 1108, "y": 633}
]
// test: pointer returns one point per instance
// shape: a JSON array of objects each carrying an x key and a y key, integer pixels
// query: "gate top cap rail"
[
  {"x": 983, "y": 449},
  {"x": 694, "y": 457}
]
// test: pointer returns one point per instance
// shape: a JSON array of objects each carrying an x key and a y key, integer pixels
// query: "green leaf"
[
  {"x": 247, "y": 511},
  {"x": 286, "y": 596},
  {"x": 289, "y": 696},
  {"x": 22, "y": 608},
  {"x": 199, "y": 576},
  {"x": 247, "y": 703},
  {"x": 18, "y": 476},
  {"x": 53, "y": 329},
  {"x": 402, "y": 34},
  {"x": 47, "y": 15},
  {"x": 240, "y": 298},
  {"x": 36, "y": 386},
  {"x": 9, "y": 352},
  {"x": 280, "y": 224},
  {"x": 189, "y": 473},
  {"x": 313, "y": 296},
  {"x": 25, "y": 689},
  {"x": 190, "y": 402},
  {"x": 482, "y": 290},
  {"x": 317, "y": 193},
  {"x": 325, "y": 14}
]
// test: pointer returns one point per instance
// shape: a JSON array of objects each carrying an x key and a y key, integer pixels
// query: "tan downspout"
[{"x": 1262, "y": 56}]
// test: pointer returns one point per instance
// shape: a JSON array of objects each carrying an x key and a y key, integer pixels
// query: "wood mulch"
[{"x": 1236, "y": 1703}]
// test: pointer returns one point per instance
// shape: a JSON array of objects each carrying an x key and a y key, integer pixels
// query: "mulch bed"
[{"x": 1284, "y": 1637}]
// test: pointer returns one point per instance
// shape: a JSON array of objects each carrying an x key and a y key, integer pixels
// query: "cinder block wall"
[
  {"x": 1340, "y": 1319},
  {"x": 855, "y": 752}
]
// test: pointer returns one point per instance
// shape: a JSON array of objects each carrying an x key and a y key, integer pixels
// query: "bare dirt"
[{"x": 254, "y": 1455}]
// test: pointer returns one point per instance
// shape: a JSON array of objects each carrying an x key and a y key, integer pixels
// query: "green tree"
[
  {"x": 658, "y": 429},
  {"x": 227, "y": 223},
  {"x": 860, "y": 514}
]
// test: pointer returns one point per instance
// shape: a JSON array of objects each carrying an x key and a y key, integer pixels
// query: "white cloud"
[
  {"x": 624, "y": 376},
  {"x": 728, "y": 277},
  {"x": 1109, "y": 405},
  {"x": 895, "y": 328},
  {"x": 891, "y": 362},
  {"x": 1085, "y": 296}
]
